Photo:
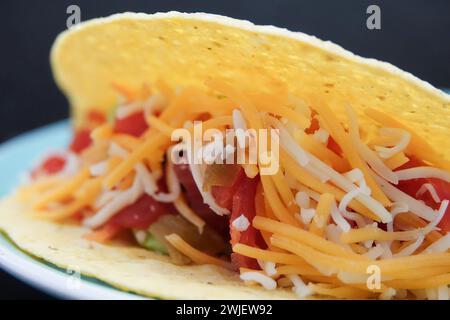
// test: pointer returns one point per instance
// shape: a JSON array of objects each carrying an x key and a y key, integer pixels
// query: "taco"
[{"x": 348, "y": 198}]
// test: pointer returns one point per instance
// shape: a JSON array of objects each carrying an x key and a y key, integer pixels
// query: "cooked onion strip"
[{"x": 195, "y": 255}]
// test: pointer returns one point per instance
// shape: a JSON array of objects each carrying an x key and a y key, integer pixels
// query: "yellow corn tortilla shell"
[
  {"x": 128, "y": 268},
  {"x": 182, "y": 49}
]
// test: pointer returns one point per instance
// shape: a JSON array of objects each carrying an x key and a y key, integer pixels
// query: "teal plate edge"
[{"x": 16, "y": 157}]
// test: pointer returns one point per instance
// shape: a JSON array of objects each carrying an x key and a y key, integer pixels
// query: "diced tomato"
[
  {"x": 411, "y": 187},
  {"x": 54, "y": 164},
  {"x": 244, "y": 204},
  {"x": 95, "y": 118},
  {"x": 313, "y": 127},
  {"x": 81, "y": 140},
  {"x": 82, "y": 136},
  {"x": 413, "y": 162},
  {"x": 195, "y": 201},
  {"x": 224, "y": 195},
  {"x": 51, "y": 165},
  {"x": 134, "y": 124},
  {"x": 442, "y": 188},
  {"x": 332, "y": 144},
  {"x": 239, "y": 198},
  {"x": 141, "y": 214}
]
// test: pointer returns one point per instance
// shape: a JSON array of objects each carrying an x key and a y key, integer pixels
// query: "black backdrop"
[{"x": 414, "y": 36}]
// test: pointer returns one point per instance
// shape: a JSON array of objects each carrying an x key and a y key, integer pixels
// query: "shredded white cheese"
[
  {"x": 387, "y": 252},
  {"x": 116, "y": 150},
  {"x": 311, "y": 193},
  {"x": 339, "y": 219},
  {"x": 442, "y": 292},
  {"x": 347, "y": 198},
  {"x": 333, "y": 233},
  {"x": 268, "y": 267},
  {"x": 388, "y": 294},
  {"x": 240, "y": 128},
  {"x": 352, "y": 278},
  {"x": 172, "y": 183},
  {"x": 354, "y": 175},
  {"x": 105, "y": 197},
  {"x": 124, "y": 111},
  {"x": 155, "y": 103},
  {"x": 405, "y": 137},
  {"x": 375, "y": 252},
  {"x": 302, "y": 199},
  {"x": 415, "y": 206},
  {"x": 123, "y": 199},
  {"x": 423, "y": 172},
  {"x": 306, "y": 215},
  {"x": 147, "y": 179},
  {"x": 441, "y": 245},
  {"x": 241, "y": 223},
  {"x": 439, "y": 215},
  {"x": 409, "y": 250},
  {"x": 288, "y": 143},
  {"x": 300, "y": 288},
  {"x": 98, "y": 169},
  {"x": 260, "y": 278},
  {"x": 326, "y": 172},
  {"x": 321, "y": 135},
  {"x": 430, "y": 188}
]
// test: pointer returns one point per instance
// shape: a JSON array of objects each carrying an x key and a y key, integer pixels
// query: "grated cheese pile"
[{"x": 326, "y": 216}]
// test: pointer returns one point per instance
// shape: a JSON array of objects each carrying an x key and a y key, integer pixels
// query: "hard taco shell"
[{"x": 183, "y": 49}]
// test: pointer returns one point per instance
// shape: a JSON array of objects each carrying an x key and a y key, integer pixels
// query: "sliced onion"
[{"x": 221, "y": 174}]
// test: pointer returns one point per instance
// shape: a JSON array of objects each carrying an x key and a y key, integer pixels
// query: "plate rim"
[{"x": 43, "y": 276}]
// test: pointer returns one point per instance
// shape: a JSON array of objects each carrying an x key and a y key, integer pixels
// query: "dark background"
[{"x": 414, "y": 36}]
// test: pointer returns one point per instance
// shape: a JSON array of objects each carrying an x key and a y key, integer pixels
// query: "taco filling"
[{"x": 341, "y": 202}]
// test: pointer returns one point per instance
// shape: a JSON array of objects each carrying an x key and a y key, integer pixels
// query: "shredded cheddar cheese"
[
  {"x": 194, "y": 254},
  {"x": 318, "y": 215}
]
